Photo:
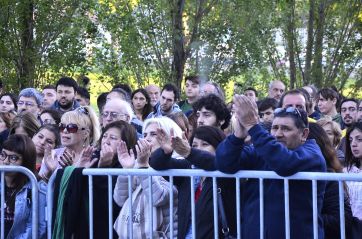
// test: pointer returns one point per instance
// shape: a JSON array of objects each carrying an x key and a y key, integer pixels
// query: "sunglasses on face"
[
  {"x": 12, "y": 158},
  {"x": 71, "y": 128}
]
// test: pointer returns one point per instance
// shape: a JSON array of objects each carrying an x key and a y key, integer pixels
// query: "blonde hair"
[
  {"x": 164, "y": 123},
  {"x": 337, "y": 132},
  {"x": 84, "y": 116}
]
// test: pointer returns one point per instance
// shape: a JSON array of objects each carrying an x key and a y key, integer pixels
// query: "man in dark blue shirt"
[{"x": 285, "y": 151}]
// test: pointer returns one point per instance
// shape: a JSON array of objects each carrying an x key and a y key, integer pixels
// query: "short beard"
[{"x": 66, "y": 106}]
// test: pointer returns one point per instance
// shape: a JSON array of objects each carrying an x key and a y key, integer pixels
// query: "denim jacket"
[{"x": 22, "y": 226}]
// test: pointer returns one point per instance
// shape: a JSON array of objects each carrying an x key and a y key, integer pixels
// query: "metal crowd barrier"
[
  {"x": 34, "y": 195},
  {"x": 192, "y": 173}
]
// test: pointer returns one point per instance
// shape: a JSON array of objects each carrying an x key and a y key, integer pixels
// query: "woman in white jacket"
[{"x": 141, "y": 218}]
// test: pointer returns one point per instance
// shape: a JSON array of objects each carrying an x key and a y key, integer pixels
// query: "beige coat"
[{"x": 160, "y": 198}]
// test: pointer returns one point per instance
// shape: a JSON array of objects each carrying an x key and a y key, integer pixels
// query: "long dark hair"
[
  {"x": 23, "y": 145},
  {"x": 329, "y": 153},
  {"x": 147, "y": 109},
  {"x": 350, "y": 159}
]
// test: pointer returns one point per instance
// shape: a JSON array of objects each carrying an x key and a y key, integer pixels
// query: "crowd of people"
[{"x": 56, "y": 133}]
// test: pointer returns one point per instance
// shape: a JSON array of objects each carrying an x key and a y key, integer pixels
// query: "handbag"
[{"x": 225, "y": 228}]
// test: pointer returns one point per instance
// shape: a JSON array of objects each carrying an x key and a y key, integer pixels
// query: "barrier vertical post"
[
  {"x": 110, "y": 207},
  {"x": 261, "y": 207},
  {"x": 286, "y": 207}
]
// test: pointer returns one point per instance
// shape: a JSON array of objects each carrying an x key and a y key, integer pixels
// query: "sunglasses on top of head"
[{"x": 71, "y": 128}]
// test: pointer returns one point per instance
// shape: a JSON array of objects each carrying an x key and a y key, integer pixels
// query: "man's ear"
[
  {"x": 305, "y": 133},
  {"x": 334, "y": 101}
]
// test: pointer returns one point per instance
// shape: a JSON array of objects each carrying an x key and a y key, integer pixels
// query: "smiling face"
[
  {"x": 355, "y": 139},
  {"x": 286, "y": 132}
]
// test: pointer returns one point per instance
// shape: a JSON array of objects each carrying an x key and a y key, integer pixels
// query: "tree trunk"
[
  {"x": 179, "y": 59},
  {"x": 290, "y": 43},
  {"x": 317, "y": 67},
  {"x": 309, "y": 48},
  {"x": 26, "y": 65}
]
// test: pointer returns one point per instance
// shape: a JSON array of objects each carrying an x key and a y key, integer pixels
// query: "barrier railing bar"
[
  {"x": 238, "y": 209},
  {"x": 215, "y": 202},
  {"x": 2, "y": 204},
  {"x": 90, "y": 192},
  {"x": 240, "y": 174},
  {"x": 315, "y": 209},
  {"x": 261, "y": 207},
  {"x": 110, "y": 207},
  {"x": 150, "y": 206},
  {"x": 193, "y": 223},
  {"x": 130, "y": 212},
  {"x": 50, "y": 198},
  {"x": 286, "y": 207},
  {"x": 171, "y": 207},
  {"x": 341, "y": 209},
  {"x": 34, "y": 194}
]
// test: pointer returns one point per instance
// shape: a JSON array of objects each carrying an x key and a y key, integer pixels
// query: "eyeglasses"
[
  {"x": 26, "y": 103},
  {"x": 48, "y": 121},
  {"x": 71, "y": 128},
  {"x": 293, "y": 111},
  {"x": 12, "y": 157},
  {"x": 114, "y": 115}
]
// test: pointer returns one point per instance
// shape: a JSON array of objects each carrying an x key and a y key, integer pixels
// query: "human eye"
[
  {"x": 205, "y": 144},
  {"x": 104, "y": 136},
  {"x": 1, "y": 102},
  {"x": 49, "y": 141},
  {"x": 13, "y": 158},
  {"x": 352, "y": 109},
  {"x": 153, "y": 134},
  {"x": 194, "y": 145},
  {"x": 113, "y": 137},
  {"x": 7, "y": 102}
]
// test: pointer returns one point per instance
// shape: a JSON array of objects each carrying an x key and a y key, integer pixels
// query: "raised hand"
[
  {"x": 86, "y": 158},
  {"x": 164, "y": 140},
  {"x": 49, "y": 159},
  {"x": 238, "y": 128},
  {"x": 106, "y": 156},
  {"x": 143, "y": 149},
  {"x": 181, "y": 145},
  {"x": 125, "y": 158},
  {"x": 66, "y": 158},
  {"x": 246, "y": 111}
]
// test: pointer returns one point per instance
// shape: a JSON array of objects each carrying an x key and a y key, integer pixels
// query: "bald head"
[{"x": 276, "y": 89}]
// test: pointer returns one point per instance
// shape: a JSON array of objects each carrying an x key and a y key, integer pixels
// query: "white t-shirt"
[{"x": 355, "y": 192}]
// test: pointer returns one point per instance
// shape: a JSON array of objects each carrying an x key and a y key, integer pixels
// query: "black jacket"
[{"x": 204, "y": 206}]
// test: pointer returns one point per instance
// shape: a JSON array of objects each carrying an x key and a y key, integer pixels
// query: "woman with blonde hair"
[
  {"x": 78, "y": 130},
  {"x": 334, "y": 134}
]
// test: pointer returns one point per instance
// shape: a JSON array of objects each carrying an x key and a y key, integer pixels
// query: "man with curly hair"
[{"x": 211, "y": 110}]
